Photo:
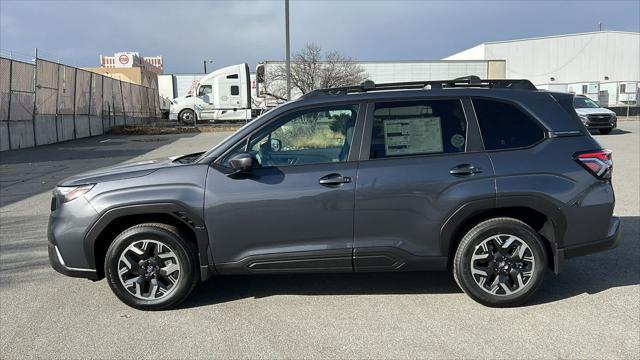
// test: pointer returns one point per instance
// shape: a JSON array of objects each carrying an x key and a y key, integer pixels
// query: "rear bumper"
[{"x": 609, "y": 242}]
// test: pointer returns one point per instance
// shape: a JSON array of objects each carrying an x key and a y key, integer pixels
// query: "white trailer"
[
  {"x": 558, "y": 87},
  {"x": 589, "y": 89},
  {"x": 232, "y": 93},
  {"x": 270, "y": 91}
]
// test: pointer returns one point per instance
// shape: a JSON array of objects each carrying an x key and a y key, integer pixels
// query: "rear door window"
[
  {"x": 505, "y": 126},
  {"x": 417, "y": 128}
]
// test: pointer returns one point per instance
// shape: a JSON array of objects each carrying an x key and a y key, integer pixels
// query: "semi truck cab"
[{"x": 224, "y": 94}]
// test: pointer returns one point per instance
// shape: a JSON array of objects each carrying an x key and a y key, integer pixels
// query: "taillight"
[{"x": 597, "y": 162}]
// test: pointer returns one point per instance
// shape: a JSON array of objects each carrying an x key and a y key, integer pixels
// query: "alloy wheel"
[
  {"x": 502, "y": 265},
  {"x": 149, "y": 269}
]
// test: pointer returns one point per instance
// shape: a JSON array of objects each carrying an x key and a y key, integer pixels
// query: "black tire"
[
  {"x": 470, "y": 245},
  {"x": 175, "y": 242},
  {"x": 187, "y": 117},
  {"x": 605, "y": 131}
]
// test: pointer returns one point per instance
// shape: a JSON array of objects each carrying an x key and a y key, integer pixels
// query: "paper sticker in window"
[{"x": 421, "y": 135}]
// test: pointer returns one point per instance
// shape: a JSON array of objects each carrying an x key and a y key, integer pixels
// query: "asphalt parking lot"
[{"x": 590, "y": 310}]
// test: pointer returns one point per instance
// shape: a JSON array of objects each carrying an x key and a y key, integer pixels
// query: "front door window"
[{"x": 306, "y": 137}]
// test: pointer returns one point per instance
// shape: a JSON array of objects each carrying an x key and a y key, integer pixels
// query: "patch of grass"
[{"x": 161, "y": 130}]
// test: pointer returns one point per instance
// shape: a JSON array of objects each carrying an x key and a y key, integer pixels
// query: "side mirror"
[
  {"x": 276, "y": 144},
  {"x": 241, "y": 163}
]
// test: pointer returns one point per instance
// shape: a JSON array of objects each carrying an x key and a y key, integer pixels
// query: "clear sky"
[{"x": 231, "y": 32}]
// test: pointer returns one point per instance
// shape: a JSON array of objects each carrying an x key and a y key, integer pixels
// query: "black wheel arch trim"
[
  {"x": 180, "y": 213},
  {"x": 541, "y": 204}
]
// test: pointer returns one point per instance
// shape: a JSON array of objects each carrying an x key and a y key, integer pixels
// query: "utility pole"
[
  {"x": 286, "y": 22},
  {"x": 204, "y": 62}
]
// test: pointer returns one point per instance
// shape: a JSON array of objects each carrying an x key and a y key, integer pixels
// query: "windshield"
[
  {"x": 224, "y": 140},
  {"x": 580, "y": 102},
  {"x": 250, "y": 123}
]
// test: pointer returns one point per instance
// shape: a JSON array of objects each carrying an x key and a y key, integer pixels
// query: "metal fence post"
[
  {"x": 124, "y": 114},
  {"x": 131, "y": 99},
  {"x": 9, "y": 107},
  {"x": 90, "y": 99},
  {"x": 57, "y": 100},
  {"x": 75, "y": 88},
  {"x": 102, "y": 104},
  {"x": 112, "y": 108},
  {"x": 35, "y": 97}
]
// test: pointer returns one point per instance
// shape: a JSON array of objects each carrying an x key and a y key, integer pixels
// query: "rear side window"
[
  {"x": 418, "y": 128},
  {"x": 504, "y": 126}
]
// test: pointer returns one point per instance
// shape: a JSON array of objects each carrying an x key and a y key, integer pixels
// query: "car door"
[
  {"x": 205, "y": 102},
  {"x": 294, "y": 211},
  {"x": 421, "y": 160}
]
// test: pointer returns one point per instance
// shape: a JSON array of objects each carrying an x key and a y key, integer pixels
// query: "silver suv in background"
[{"x": 593, "y": 116}]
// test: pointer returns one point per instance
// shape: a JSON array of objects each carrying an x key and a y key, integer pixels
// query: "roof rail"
[{"x": 471, "y": 81}]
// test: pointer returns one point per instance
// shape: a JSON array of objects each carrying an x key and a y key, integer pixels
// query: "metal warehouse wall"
[
  {"x": 566, "y": 58},
  {"x": 383, "y": 72}
]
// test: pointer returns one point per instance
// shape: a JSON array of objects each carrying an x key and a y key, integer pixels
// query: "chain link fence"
[{"x": 48, "y": 102}]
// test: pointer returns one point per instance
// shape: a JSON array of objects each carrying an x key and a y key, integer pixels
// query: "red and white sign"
[{"x": 124, "y": 59}]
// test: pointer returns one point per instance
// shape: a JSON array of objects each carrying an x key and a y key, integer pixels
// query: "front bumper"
[
  {"x": 173, "y": 116},
  {"x": 606, "y": 243},
  {"x": 65, "y": 233},
  {"x": 57, "y": 263},
  {"x": 599, "y": 125}
]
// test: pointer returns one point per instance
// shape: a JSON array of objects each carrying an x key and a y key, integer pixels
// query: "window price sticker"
[{"x": 413, "y": 136}]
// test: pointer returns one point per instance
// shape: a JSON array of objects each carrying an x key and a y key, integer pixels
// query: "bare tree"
[{"x": 313, "y": 69}]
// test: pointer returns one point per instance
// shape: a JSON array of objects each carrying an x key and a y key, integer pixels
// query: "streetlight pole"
[
  {"x": 286, "y": 22},
  {"x": 204, "y": 62}
]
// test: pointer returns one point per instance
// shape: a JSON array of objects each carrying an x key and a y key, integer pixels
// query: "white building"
[
  {"x": 586, "y": 63},
  {"x": 129, "y": 59},
  {"x": 594, "y": 56}
]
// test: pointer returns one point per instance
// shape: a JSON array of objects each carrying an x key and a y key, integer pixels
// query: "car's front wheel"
[
  {"x": 151, "y": 267},
  {"x": 605, "y": 131},
  {"x": 500, "y": 262}
]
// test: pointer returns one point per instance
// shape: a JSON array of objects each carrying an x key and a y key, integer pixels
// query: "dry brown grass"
[
  {"x": 159, "y": 130},
  {"x": 322, "y": 139}
]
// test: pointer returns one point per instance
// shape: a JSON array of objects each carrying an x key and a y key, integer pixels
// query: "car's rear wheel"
[
  {"x": 151, "y": 267},
  {"x": 500, "y": 262},
  {"x": 187, "y": 117}
]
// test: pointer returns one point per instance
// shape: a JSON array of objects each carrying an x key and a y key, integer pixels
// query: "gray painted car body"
[{"x": 396, "y": 214}]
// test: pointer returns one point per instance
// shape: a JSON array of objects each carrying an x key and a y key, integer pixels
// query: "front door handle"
[
  {"x": 334, "y": 179},
  {"x": 464, "y": 170}
]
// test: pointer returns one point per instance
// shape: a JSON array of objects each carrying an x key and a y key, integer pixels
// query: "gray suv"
[{"x": 490, "y": 178}]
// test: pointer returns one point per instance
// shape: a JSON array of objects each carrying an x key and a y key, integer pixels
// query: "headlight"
[
  {"x": 69, "y": 193},
  {"x": 584, "y": 118}
]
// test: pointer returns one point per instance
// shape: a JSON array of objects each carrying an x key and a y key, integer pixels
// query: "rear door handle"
[
  {"x": 464, "y": 170},
  {"x": 334, "y": 179}
]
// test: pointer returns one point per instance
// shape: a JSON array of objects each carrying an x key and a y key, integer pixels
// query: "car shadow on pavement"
[
  {"x": 229, "y": 288},
  {"x": 31, "y": 171},
  {"x": 616, "y": 131},
  {"x": 597, "y": 272},
  {"x": 584, "y": 275}
]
